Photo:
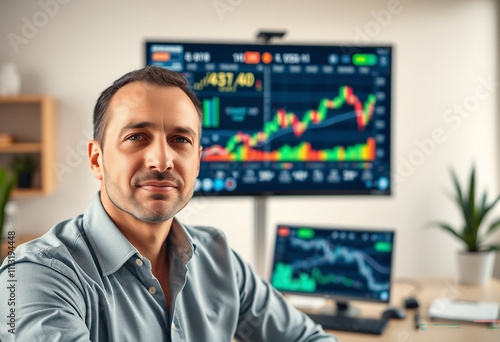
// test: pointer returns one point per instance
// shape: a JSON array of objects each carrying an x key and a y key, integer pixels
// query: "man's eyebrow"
[
  {"x": 136, "y": 125},
  {"x": 185, "y": 130},
  {"x": 147, "y": 124}
]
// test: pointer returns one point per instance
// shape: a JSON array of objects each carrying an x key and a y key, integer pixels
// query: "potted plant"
[
  {"x": 476, "y": 261},
  {"x": 7, "y": 183},
  {"x": 23, "y": 167}
]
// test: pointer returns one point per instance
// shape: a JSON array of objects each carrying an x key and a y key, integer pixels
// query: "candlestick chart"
[{"x": 257, "y": 146}]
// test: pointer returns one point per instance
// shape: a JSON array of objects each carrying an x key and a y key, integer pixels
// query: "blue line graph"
[
  {"x": 349, "y": 263},
  {"x": 330, "y": 255}
]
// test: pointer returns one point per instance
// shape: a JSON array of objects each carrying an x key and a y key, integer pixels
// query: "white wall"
[{"x": 442, "y": 50}]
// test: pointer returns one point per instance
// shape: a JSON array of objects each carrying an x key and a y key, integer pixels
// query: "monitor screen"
[
  {"x": 338, "y": 263},
  {"x": 288, "y": 119}
]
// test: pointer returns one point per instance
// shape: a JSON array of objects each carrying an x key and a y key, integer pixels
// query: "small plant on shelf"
[{"x": 24, "y": 166}]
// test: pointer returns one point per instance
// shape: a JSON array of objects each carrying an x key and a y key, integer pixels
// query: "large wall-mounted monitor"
[
  {"x": 340, "y": 263},
  {"x": 288, "y": 119}
]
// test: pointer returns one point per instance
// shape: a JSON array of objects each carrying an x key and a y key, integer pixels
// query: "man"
[{"x": 126, "y": 270}]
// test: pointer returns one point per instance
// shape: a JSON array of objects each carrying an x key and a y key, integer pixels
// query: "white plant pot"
[{"x": 475, "y": 268}]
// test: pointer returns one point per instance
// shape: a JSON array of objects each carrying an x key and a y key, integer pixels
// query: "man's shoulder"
[
  {"x": 64, "y": 249},
  {"x": 60, "y": 242}
]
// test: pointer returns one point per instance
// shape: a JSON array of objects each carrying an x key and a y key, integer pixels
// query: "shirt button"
[
  {"x": 152, "y": 290},
  {"x": 139, "y": 262}
]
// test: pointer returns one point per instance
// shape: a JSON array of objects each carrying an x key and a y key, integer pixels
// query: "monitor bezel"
[
  {"x": 330, "y": 192},
  {"x": 340, "y": 298}
]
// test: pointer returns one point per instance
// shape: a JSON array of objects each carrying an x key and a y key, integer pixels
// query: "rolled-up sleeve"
[{"x": 266, "y": 316}]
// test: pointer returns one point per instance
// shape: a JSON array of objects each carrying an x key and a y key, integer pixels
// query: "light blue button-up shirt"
[{"x": 84, "y": 281}]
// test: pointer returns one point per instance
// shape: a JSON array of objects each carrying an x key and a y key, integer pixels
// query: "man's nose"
[{"x": 159, "y": 156}]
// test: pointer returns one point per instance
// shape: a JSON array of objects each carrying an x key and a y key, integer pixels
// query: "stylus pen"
[{"x": 417, "y": 320}]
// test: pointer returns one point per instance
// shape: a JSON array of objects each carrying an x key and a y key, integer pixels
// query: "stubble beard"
[{"x": 132, "y": 206}]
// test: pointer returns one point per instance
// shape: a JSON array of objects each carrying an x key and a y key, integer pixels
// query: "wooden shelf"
[
  {"x": 23, "y": 99},
  {"x": 21, "y": 148},
  {"x": 31, "y": 120},
  {"x": 29, "y": 192}
]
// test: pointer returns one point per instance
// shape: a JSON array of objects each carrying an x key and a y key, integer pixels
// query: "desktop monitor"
[
  {"x": 288, "y": 119},
  {"x": 337, "y": 263}
]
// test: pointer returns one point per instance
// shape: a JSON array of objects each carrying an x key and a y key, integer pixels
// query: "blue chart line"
[
  {"x": 285, "y": 131},
  {"x": 326, "y": 123},
  {"x": 328, "y": 255}
]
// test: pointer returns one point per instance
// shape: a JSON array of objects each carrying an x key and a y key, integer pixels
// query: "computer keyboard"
[{"x": 354, "y": 324}]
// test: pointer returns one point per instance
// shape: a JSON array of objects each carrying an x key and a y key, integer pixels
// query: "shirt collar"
[
  {"x": 111, "y": 247},
  {"x": 181, "y": 242}
]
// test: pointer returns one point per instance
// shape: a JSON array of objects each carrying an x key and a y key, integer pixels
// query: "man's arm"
[
  {"x": 266, "y": 316},
  {"x": 43, "y": 302}
]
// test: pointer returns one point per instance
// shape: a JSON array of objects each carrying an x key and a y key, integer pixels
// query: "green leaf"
[
  {"x": 6, "y": 185},
  {"x": 472, "y": 193},
  {"x": 468, "y": 228},
  {"x": 483, "y": 202},
  {"x": 464, "y": 203},
  {"x": 489, "y": 207},
  {"x": 449, "y": 229},
  {"x": 453, "y": 197},
  {"x": 494, "y": 226},
  {"x": 457, "y": 188},
  {"x": 470, "y": 240},
  {"x": 473, "y": 212},
  {"x": 493, "y": 248},
  {"x": 23, "y": 164}
]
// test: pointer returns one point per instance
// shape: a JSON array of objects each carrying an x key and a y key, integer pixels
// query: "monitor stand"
[{"x": 342, "y": 308}]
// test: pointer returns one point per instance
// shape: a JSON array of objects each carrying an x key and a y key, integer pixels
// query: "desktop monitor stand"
[{"x": 342, "y": 309}]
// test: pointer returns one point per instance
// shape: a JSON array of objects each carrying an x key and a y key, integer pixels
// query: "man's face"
[{"x": 151, "y": 153}]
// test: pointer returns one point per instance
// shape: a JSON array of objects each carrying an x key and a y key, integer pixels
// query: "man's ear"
[
  {"x": 95, "y": 159},
  {"x": 199, "y": 160}
]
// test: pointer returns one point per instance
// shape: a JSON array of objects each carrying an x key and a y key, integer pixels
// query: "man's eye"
[
  {"x": 135, "y": 137},
  {"x": 181, "y": 140}
]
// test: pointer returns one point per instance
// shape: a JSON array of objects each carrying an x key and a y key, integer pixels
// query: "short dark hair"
[{"x": 149, "y": 74}]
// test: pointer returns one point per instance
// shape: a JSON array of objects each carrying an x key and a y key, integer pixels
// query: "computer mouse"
[
  {"x": 398, "y": 313},
  {"x": 411, "y": 303}
]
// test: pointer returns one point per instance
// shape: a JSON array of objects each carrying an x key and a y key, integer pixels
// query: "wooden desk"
[{"x": 404, "y": 330}]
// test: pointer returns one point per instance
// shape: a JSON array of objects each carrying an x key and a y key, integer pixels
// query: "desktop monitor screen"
[
  {"x": 288, "y": 119},
  {"x": 338, "y": 263}
]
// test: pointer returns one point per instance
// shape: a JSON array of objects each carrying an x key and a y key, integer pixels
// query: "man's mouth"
[{"x": 158, "y": 186}]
